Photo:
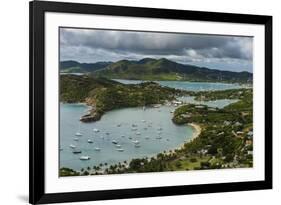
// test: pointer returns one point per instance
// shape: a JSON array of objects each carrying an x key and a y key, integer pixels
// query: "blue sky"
[{"x": 231, "y": 53}]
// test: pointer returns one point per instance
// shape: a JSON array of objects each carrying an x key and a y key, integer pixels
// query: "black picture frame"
[{"x": 37, "y": 11}]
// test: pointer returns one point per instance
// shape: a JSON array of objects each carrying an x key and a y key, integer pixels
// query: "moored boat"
[
  {"x": 72, "y": 146},
  {"x": 84, "y": 158},
  {"x": 77, "y": 152}
]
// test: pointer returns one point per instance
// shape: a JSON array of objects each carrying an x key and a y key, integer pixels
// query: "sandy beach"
[{"x": 197, "y": 130}]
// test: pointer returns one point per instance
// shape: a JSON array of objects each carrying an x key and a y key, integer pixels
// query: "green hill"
[
  {"x": 103, "y": 94},
  {"x": 76, "y": 67},
  {"x": 163, "y": 69}
]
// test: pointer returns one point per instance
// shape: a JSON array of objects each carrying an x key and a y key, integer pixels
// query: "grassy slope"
[
  {"x": 104, "y": 95},
  {"x": 163, "y": 69}
]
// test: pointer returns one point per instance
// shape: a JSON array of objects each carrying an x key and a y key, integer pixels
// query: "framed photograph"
[{"x": 141, "y": 102}]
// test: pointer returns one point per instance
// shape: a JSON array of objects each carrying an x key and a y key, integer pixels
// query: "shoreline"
[{"x": 196, "y": 132}]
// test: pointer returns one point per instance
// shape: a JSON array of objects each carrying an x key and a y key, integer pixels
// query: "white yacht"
[
  {"x": 135, "y": 141},
  {"x": 72, "y": 146},
  {"x": 114, "y": 142},
  {"x": 84, "y": 158},
  {"x": 78, "y": 134},
  {"x": 96, "y": 130},
  {"x": 120, "y": 150},
  {"x": 97, "y": 149},
  {"x": 90, "y": 141}
]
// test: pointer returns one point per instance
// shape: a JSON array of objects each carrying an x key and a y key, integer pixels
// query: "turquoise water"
[
  {"x": 148, "y": 122},
  {"x": 191, "y": 86},
  {"x": 213, "y": 103},
  {"x": 118, "y": 123}
]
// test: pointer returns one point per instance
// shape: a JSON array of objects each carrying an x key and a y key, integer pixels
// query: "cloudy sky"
[{"x": 212, "y": 51}]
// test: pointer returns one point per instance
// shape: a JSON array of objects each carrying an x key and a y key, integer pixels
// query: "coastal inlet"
[
  {"x": 122, "y": 134},
  {"x": 119, "y": 136}
]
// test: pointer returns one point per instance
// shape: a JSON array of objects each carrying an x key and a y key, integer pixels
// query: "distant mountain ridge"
[
  {"x": 76, "y": 67},
  {"x": 157, "y": 69},
  {"x": 164, "y": 69}
]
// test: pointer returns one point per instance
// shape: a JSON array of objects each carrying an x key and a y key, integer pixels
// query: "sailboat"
[
  {"x": 114, "y": 142},
  {"x": 72, "y": 146},
  {"x": 137, "y": 145},
  {"x": 135, "y": 141},
  {"x": 96, "y": 130},
  {"x": 159, "y": 137},
  {"x": 75, "y": 139},
  {"x": 78, "y": 133}
]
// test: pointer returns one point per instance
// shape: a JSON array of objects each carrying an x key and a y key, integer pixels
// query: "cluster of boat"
[{"x": 118, "y": 146}]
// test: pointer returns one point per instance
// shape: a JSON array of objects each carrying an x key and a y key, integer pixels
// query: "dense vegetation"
[
  {"x": 163, "y": 69},
  {"x": 76, "y": 67},
  {"x": 225, "y": 140},
  {"x": 223, "y": 94},
  {"x": 104, "y": 95}
]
